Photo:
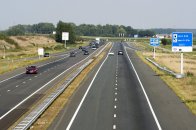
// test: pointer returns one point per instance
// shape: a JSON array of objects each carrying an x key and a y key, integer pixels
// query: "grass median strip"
[{"x": 49, "y": 115}]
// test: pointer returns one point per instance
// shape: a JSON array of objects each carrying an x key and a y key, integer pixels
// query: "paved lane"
[
  {"x": 114, "y": 101},
  {"x": 15, "y": 90}
]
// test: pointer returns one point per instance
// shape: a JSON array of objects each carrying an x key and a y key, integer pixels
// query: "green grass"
[
  {"x": 12, "y": 61},
  {"x": 9, "y": 65}
]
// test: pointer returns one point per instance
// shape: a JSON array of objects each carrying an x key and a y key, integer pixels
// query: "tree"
[
  {"x": 16, "y": 30},
  {"x": 165, "y": 41},
  {"x": 130, "y": 31},
  {"x": 43, "y": 28},
  {"x": 146, "y": 33},
  {"x": 121, "y": 30},
  {"x": 65, "y": 27}
]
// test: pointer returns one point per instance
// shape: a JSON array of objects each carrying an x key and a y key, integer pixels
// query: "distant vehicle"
[
  {"x": 80, "y": 47},
  {"x": 84, "y": 49},
  {"x": 31, "y": 70},
  {"x": 46, "y": 55},
  {"x": 111, "y": 53},
  {"x": 86, "y": 53},
  {"x": 72, "y": 54},
  {"x": 120, "y": 52},
  {"x": 94, "y": 47}
]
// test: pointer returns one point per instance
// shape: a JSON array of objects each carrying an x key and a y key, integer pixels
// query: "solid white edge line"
[
  {"x": 81, "y": 102},
  {"x": 152, "y": 111},
  {"x": 43, "y": 87}
]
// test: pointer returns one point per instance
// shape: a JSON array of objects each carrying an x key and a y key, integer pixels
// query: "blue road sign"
[
  {"x": 154, "y": 42},
  {"x": 182, "y": 41}
]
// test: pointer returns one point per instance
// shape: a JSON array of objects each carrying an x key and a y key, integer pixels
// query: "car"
[
  {"x": 80, "y": 47},
  {"x": 46, "y": 54},
  {"x": 86, "y": 53},
  {"x": 31, "y": 70},
  {"x": 83, "y": 49},
  {"x": 111, "y": 53},
  {"x": 72, "y": 54},
  {"x": 94, "y": 47},
  {"x": 120, "y": 52}
]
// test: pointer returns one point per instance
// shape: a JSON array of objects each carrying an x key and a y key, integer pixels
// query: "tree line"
[{"x": 77, "y": 30}]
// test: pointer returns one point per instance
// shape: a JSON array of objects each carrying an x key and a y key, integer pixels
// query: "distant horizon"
[{"x": 100, "y": 24}]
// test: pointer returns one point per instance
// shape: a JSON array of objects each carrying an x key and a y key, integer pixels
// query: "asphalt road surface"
[
  {"x": 124, "y": 94},
  {"x": 15, "y": 90}
]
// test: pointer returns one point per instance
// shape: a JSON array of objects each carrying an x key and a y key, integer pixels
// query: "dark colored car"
[
  {"x": 46, "y": 55},
  {"x": 83, "y": 49},
  {"x": 72, "y": 54},
  {"x": 86, "y": 53},
  {"x": 120, "y": 52},
  {"x": 31, "y": 70}
]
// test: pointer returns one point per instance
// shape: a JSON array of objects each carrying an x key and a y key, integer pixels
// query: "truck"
[{"x": 97, "y": 40}]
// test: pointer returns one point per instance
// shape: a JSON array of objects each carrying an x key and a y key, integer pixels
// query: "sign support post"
[
  {"x": 154, "y": 42},
  {"x": 65, "y": 44},
  {"x": 154, "y": 53},
  {"x": 181, "y": 66},
  {"x": 182, "y": 42}
]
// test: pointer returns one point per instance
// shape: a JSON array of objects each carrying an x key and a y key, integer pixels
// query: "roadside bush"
[
  {"x": 59, "y": 47},
  {"x": 189, "y": 74},
  {"x": 165, "y": 41}
]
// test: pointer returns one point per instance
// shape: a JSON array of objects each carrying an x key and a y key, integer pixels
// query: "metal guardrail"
[
  {"x": 34, "y": 115},
  {"x": 165, "y": 69}
]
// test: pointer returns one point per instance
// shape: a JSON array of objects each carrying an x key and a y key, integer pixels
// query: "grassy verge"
[
  {"x": 184, "y": 88},
  {"x": 17, "y": 60},
  {"x": 10, "y": 65}
]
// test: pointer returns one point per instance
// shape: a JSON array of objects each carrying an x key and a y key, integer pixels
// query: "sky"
[{"x": 140, "y": 14}]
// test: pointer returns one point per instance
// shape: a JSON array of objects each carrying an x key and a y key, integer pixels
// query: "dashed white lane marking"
[
  {"x": 30, "y": 79},
  {"x": 35, "y": 76},
  {"x": 116, "y": 93},
  {"x": 116, "y": 84},
  {"x": 24, "y": 82},
  {"x": 17, "y": 86},
  {"x": 115, "y": 99},
  {"x": 115, "y": 107},
  {"x": 114, "y": 115},
  {"x": 116, "y": 80},
  {"x": 116, "y": 88},
  {"x": 8, "y": 90},
  {"x": 114, "y": 127},
  {"x": 81, "y": 102}
]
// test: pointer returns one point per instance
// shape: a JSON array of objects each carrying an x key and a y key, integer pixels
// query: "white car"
[
  {"x": 94, "y": 48},
  {"x": 111, "y": 53}
]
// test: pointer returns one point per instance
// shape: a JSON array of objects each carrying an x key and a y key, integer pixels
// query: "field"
[{"x": 14, "y": 57}]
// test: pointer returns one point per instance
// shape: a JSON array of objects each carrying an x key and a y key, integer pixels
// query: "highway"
[
  {"x": 125, "y": 94},
  {"x": 18, "y": 93}
]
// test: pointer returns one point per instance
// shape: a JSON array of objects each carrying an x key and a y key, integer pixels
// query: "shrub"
[{"x": 189, "y": 74}]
